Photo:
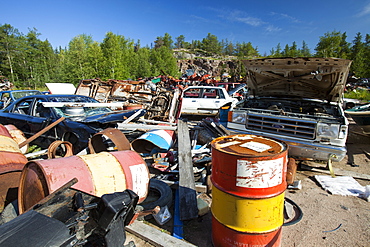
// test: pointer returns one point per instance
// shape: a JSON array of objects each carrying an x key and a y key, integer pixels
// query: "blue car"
[
  {"x": 7, "y": 97},
  {"x": 83, "y": 118}
]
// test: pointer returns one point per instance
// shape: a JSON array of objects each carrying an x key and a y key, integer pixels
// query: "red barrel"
[
  {"x": 11, "y": 157},
  {"x": 18, "y": 136},
  {"x": 12, "y": 162},
  {"x": 249, "y": 181},
  {"x": 97, "y": 174}
]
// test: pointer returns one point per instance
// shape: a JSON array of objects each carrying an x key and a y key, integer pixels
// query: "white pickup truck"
[
  {"x": 205, "y": 100},
  {"x": 298, "y": 101}
]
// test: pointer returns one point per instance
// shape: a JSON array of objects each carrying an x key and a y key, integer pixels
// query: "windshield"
[
  {"x": 77, "y": 110},
  {"x": 21, "y": 94}
]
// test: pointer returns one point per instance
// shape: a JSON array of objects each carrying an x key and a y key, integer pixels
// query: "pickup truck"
[
  {"x": 297, "y": 101},
  {"x": 205, "y": 100}
]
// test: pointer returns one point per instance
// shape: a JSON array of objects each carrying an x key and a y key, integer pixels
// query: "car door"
[
  {"x": 41, "y": 117},
  {"x": 212, "y": 99},
  {"x": 19, "y": 116},
  {"x": 190, "y": 100}
]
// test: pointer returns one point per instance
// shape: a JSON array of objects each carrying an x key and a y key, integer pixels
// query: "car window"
[
  {"x": 21, "y": 94},
  {"x": 23, "y": 107},
  {"x": 210, "y": 93},
  {"x": 77, "y": 111},
  {"x": 192, "y": 93},
  {"x": 220, "y": 94},
  {"x": 40, "y": 110}
]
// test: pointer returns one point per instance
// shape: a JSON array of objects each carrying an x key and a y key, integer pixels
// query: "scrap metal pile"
[{"x": 68, "y": 190}]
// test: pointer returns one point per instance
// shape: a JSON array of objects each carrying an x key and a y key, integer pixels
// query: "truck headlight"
[
  {"x": 237, "y": 117},
  {"x": 332, "y": 130}
]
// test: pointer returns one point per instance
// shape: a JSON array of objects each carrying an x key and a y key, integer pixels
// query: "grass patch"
[{"x": 360, "y": 94}]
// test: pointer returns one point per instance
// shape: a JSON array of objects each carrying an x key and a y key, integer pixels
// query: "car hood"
[
  {"x": 305, "y": 77},
  {"x": 111, "y": 117}
]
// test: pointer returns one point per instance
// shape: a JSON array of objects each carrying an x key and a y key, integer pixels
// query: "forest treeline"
[{"x": 29, "y": 62}]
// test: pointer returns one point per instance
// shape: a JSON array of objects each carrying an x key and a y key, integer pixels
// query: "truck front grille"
[{"x": 284, "y": 125}]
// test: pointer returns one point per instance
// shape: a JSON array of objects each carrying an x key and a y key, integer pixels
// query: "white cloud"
[
  {"x": 271, "y": 28},
  {"x": 249, "y": 21},
  {"x": 287, "y": 17},
  {"x": 364, "y": 11}
]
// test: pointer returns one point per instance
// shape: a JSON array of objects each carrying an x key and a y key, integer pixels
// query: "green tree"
[
  {"x": 162, "y": 60},
  {"x": 305, "y": 51},
  {"x": 246, "y": 50},
  {"x": 293, "y": 50},
  {"x": 77, "y": 59},
  {"x": 345, "y": 51},
  {"x": 180, "y": 42},
  {"x": 10, "y": 39},
  {"x": 117, "y": 51},
  {"x": 95, "y": 59},
  {"x": 144, "y": 65},
  {"x": 166, "y": 41},
  {"x": 329, "y": 45},
  {"x": 367, "y": 56},
  {"x": 358, "y": 56},
  {"x": 228, "y": 48},
  {"x": 211, "y": 44}
]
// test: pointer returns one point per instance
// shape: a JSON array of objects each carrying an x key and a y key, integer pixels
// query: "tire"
[{"x": 161, "y": 192}]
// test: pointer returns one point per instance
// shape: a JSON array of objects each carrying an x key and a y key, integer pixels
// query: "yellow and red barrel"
[
  {"x": 97, "y": 174},
  {"x": 249, "y": 181}
]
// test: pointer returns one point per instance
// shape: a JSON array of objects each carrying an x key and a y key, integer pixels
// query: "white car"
[{"x": 205, "y": 100}]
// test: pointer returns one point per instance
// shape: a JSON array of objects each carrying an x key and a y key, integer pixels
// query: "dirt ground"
[{"x": 328, "y": 220}]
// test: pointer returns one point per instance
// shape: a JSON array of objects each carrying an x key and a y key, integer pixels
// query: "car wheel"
[
  {"x": 160, "y": 194},
  {"x": 71, "y": 137}
]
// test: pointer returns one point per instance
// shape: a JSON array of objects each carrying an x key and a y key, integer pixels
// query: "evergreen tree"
[
  {"x": 358, "y": 56},
  {"x": 180, "y": 42},
  {"x": 293, "y": 50},
  {"x": 305, "y": 51},
  {"x": 367, "y": 56},
  {"x": 211, "y": 44},
  {"x": 344, "y": 47},
  {"x": 166, "y": 41},
  {"x": 329, "y": 45},
  {"x": 246, "y": 50}
]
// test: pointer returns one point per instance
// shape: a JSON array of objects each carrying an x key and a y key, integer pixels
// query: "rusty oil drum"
[
  {"x": 97, "y": 174},
  {"x": 12, "y": 162},
  {"x": 249, "y": 181}
]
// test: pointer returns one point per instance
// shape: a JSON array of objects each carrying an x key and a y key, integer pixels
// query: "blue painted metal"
[{"x": 177, "y": 223}]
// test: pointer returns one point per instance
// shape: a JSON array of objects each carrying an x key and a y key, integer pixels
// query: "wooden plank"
[
  {"x": 155, "y": 236},
  {"x": 337, "y": 171},
  {"x": 187, "y": 192}
]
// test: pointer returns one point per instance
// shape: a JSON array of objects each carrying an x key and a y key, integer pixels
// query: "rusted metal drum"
[
  {"x": 12, "y": 162},
  {"x": 96, "y": 142},
  {"x": 154, "y": 139},
  {"x": 97, "y": 174},
  {"x": 11, "y": 157},
  {"x": 18, "y": 136},
  {"x": 249, "y": 181}
]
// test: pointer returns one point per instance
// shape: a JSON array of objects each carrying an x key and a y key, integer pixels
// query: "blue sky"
[{"x": 264, "y": 23}]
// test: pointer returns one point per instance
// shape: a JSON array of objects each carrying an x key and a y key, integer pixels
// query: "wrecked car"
[
  {"x": 296, "y": 100},
  {"x": 84, "y": 116},
  {"x": 7, "y": 97},
  {"x": 205, "y": 100}
]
